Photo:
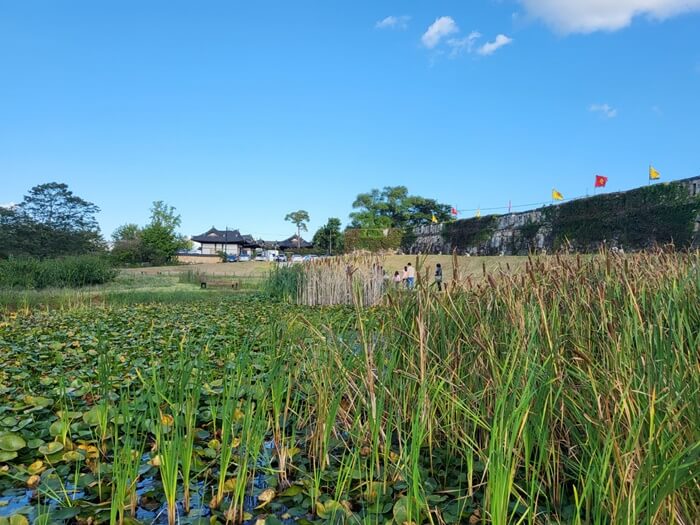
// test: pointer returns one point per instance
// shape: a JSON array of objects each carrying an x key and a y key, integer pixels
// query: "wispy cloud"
[
  {"x": 393, "y": 22},
  {"x": 605, "y": 110},
  {"x": 463, "y": 45},
  {"x": 442, "y": 27},
  {"x": 491, "y": 47},
  {"x": 445, "y": 26},
  {"x": 586, "y": 16}
]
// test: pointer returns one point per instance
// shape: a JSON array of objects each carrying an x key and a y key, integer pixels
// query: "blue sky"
[{"x": 237, "y": 113}]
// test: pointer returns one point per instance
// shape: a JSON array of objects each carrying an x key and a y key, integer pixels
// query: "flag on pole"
[
  {"x": 556, "y": 195},
  {"x": 600, "y": 181},
  {"x": 454, "y": 212},
  {"x": 653, "y": 174},
  {"x": 478, "y": 213},
  {"x": 434, "y": 219}
]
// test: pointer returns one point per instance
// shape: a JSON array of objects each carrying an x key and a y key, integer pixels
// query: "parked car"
[
  {"x": 281, "y": 258},
  {"x": 232, "y": 258},
  {"x": 260, "y": 257},
  {"x": 297, "y": 258},
  {"x": 244, "y": 258}
]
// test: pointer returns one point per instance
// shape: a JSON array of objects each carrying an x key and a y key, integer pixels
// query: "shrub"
[
  {"x": 64, "y": 272},
  {"x": 374, "y": 240}
]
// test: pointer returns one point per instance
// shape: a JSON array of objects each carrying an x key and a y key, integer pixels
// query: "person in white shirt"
[{"x": 410, "y": 276}]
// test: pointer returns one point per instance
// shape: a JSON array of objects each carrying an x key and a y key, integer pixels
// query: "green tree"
[
  {"x": 329, "y": 237},
  {"x": 127, "y": 232},
  {"x": 128, "y": 244},
  {"x": 51, "y": 221},
  {"x": 299, "y": 219},
  {"x": 393, "y": 207},
  {"x": 159, "y": 238},
  {"x": 8, "y": 231}
]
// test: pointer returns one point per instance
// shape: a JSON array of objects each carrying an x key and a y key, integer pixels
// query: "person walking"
[
  {"x": 404, "y": 276},
  {"x": 397, "y": 279},
  {"x": 410, "y": 276},
  {"x": 438, "y": 276}
]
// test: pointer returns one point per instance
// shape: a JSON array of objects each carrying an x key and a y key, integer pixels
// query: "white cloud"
[
  {"x": 586, "y": 16},
  {"x": 460, "y": 45},
  {"x": 491, "y": 47},
  {"x": 8, "y": 205},
  {"x": 393, "y": 22},
  {"x": 605, "y": 110},
  {"x": 442, "y": 27}
]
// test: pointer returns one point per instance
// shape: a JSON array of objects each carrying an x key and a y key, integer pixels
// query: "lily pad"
[
  {"x": 92, "y": 416},
  {"x": 12, "y": 442},
  {"x": 38, "y": 401},
  {"x": 51, "y": 448},
  {"x": 72, "y": 455},
  {"x": 35, "y": 443},
  {"x": 7, "y": 456},
  {"x": 292, "y": 491},
  {"x": 9, "y": 421},
  {"x": 58, "y": 427},
  {"x": 36, "y": 467}
]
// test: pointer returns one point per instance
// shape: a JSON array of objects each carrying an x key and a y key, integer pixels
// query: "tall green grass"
[
  {"x": 68, "y": 272},
  {"x": 283, "y": 282}
]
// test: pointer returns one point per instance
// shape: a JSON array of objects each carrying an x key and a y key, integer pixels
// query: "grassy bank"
[{"x": 131, "y": 287}]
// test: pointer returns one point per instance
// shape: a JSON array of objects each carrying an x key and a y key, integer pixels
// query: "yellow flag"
[
  {"x": 653, "y": 174},
  {"x": 434, "y": 219},
  {"x": 557, "y": 196},
  {"x": 478, "y": 213}
]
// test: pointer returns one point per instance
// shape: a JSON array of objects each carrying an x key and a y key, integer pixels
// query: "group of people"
[{"x": 408, "y": 277}]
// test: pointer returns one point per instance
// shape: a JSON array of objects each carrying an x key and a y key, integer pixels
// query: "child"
[
  {"x": 438, "y": 276},
  {"x": 397, "y": 279}
]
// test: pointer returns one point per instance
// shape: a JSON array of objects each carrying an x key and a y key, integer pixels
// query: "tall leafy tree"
[
  {"x": 393, "y": 207},
  {"x": 299, "y": 219},
  {"x": 160, "y": 240},
  {"x": 51, "y": 221},
  {"x": 127, "y": 244},
  {"x": 126, "y": 232},
  {"x": 329, "y": 237}
]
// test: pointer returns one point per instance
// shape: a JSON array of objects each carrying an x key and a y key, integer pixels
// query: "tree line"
[
  {"x": 391, "y": 208},
  {"x": 51, "y": 221}
]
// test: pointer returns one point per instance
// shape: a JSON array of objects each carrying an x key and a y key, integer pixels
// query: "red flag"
[
  {"x": 453, "y": 211},
  {"x": 600, "y": 181}
]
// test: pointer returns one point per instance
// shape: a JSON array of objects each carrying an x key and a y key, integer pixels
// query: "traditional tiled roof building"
[{"x": 231, "y": 242}]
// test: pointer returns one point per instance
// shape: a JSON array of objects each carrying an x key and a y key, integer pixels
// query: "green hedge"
[
  {"x": 373, "y": 240},
  {"x": 64, "y": 272}
]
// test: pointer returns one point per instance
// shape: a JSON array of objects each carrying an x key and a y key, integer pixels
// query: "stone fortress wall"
[{"x": 506, "y": 233}]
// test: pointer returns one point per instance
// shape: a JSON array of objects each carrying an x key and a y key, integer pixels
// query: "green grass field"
[{"x": 170, "y": 283}]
